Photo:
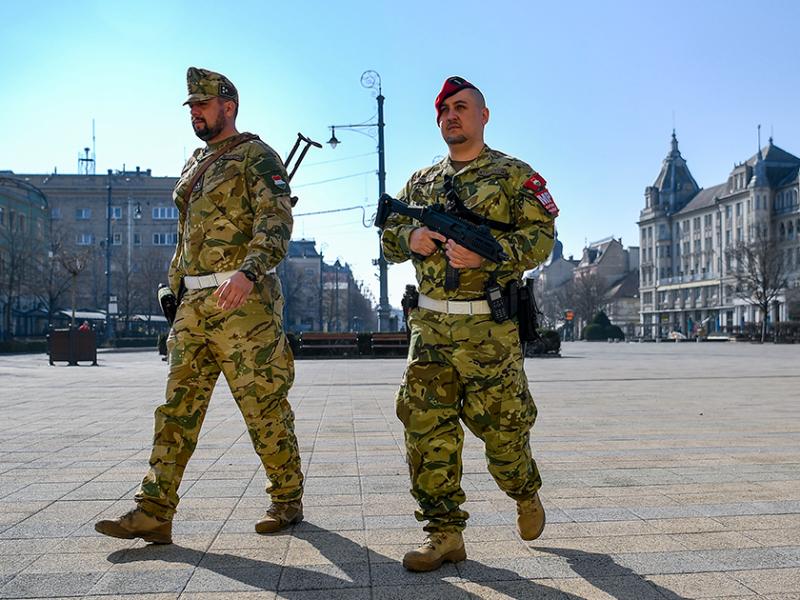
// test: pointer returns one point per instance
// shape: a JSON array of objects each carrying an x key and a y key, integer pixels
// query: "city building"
[
  {"x": 134, "y": 211},
  {"x": 563, "y": 302},
  {"x": 689, "y": 234},
  {"x": 24, "y": 235}
]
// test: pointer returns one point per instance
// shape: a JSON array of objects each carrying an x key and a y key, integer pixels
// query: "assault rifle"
[{"x": 477, "y": 238}]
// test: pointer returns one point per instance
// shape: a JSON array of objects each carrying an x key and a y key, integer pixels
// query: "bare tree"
[
  {"x": 587, "y": 296},
  {"x": 300, "y": 293},
  {"x": 761, "y": 273},
  {"x": 20, "y": 252},
  {"x": 76, "y": 262},
  {"x": 152, "y": 271},
  {"x": 53, "y": 280}
]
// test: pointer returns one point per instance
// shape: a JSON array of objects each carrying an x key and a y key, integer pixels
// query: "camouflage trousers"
[
  {"x": 247, "y": 345},
  {"x": 464, "y": 369}
]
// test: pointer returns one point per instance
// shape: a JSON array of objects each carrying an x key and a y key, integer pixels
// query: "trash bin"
[{"x": 72, "y": 345}]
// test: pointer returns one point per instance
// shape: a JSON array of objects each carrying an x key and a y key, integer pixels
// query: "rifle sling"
[{"x": 207, "y": 163}]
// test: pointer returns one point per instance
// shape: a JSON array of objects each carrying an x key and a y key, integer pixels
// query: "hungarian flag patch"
[
  {"x": 535, "y": 183},
  {"x": 547, "y": 201},
  {"x": 278, "y": 181}
]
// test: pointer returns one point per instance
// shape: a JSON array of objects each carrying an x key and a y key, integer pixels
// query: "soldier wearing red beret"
[{"x": 465, "y": 363}]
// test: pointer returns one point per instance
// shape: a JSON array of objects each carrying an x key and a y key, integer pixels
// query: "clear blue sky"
[{"x": 586, "y": 92}]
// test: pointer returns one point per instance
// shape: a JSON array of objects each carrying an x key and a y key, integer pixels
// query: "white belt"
[
  {"x": 454, "y": 307},
  {"x": 197, "y": 282}
]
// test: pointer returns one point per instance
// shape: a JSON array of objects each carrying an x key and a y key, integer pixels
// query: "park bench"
[
  {"x": 389, "y": 344},
  {"x": 328, "y": 344}
]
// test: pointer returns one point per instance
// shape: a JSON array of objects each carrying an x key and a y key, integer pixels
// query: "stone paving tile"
[
  {"x": 703, "y": 585},
  {"x": 771, "y": 581},
  {"x": 646, "y": 498}
]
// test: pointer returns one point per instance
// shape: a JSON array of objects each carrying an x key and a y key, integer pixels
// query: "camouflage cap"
[{"x": 204, "y": 85}]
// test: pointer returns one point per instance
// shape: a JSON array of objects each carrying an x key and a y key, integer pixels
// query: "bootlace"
[{"x": 526, "y": 508}]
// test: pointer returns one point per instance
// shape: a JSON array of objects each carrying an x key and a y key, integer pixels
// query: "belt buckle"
[{"x": 455, "y": 307}]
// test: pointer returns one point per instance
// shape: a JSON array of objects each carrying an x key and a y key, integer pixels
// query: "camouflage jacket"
[
  {"x": 495, "y": 186},
  {"x": 239, "y": 215}
]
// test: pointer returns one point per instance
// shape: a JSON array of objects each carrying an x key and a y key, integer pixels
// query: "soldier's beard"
[
  {"x": 207, "y": 133},
  {"x": 454, "y": 140}
]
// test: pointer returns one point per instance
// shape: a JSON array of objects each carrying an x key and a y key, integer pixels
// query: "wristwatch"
[{"x": 250, "y": 275}]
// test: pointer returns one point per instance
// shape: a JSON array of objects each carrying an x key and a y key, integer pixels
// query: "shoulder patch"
[
  {"x": 278, "y": 181},
  {"x": 544, "y": 197},
  {"x": 237, "y": 157},
  {"x": 535, "y": 183}
]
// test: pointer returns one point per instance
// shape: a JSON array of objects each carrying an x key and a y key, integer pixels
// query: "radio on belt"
[{"x": 497, "y": 304}]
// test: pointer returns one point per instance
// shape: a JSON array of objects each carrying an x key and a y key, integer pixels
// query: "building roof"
[
  {"x": 781, "y": 167},
  {"x": 627, "y": 287},
  {"x": 675, "y": 176},
  {"x": 704, "y": 198},
  {"x": 303, "y": 249}
]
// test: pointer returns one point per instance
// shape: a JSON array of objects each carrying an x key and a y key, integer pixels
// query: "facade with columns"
[{"x": 687, "y": 233}]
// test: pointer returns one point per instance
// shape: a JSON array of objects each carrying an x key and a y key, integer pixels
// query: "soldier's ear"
[
  {"x": 230, "y": 108},
  {"x": 484, "y": 115}
]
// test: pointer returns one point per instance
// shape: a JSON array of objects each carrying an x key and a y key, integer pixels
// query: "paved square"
[{"x": 671, "y": 471}]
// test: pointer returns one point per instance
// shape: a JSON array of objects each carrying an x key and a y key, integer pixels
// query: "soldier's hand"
[
  {"x": 461, "y": 258},
  {"x": 423, "y": 241},
  {"x": 233, "y": 292}
]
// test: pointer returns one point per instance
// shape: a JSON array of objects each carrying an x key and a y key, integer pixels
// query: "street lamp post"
[{"x": 371, "y": 80}]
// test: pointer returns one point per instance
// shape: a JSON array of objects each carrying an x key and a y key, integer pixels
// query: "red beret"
[{"x": 450, "y": 87}]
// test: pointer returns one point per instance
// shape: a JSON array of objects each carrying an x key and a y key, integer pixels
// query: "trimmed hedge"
[
  {"x": 550, "y": 344},
  {"x": 601, "y": 329},
  {"x": 137, "y": 342},
  {"x": 21, "y": 346}
]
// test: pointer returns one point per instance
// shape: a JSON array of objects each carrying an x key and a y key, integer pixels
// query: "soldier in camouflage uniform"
[
  {"x": 233, "y": 230},
  {"x": 462, "y": 365}
]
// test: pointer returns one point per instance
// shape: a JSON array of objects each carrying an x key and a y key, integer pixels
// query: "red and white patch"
[
  {"x": 547, "y": 201},
  {"x": 535, "y": 183}
]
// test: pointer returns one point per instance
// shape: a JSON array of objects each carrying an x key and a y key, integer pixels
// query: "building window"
[
  {"x": 738, "y": 234},
  {"x": 21, "y": 224},
  {"x": 165, "y": 239},
  {"x": 137, "y": 239},
  {"x": 117, "y": 239},
  {"x": 728, "y": 211},
  {"x": 55, "y": 213},
  {"x": 83, "y": 213},
  {"x": 162, "y": 212},
  {"x": 738, "y": 209},
  {"x": 39, "y": 228},
  {"x": 2, "y": 217},
  {"x": 83, "y": 239},
  {"x": 116, "y": 212},
  {"x": 783, "y": 232},
  {"x": 758, "y": 202},
  {"x": 728, "y": 237}
]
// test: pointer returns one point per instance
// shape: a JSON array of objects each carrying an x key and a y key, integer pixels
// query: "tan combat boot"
[
  {"x": 438, "y": 547},
  {"x": 530, "y": 518},
  {"x": 279, "y": 516},
  {"x": 137, "y": 524}
]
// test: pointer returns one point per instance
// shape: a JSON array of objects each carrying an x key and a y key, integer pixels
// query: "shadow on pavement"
[
  {"x": 350, "y": 568},
  {"x": 617, "y": 581}
]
